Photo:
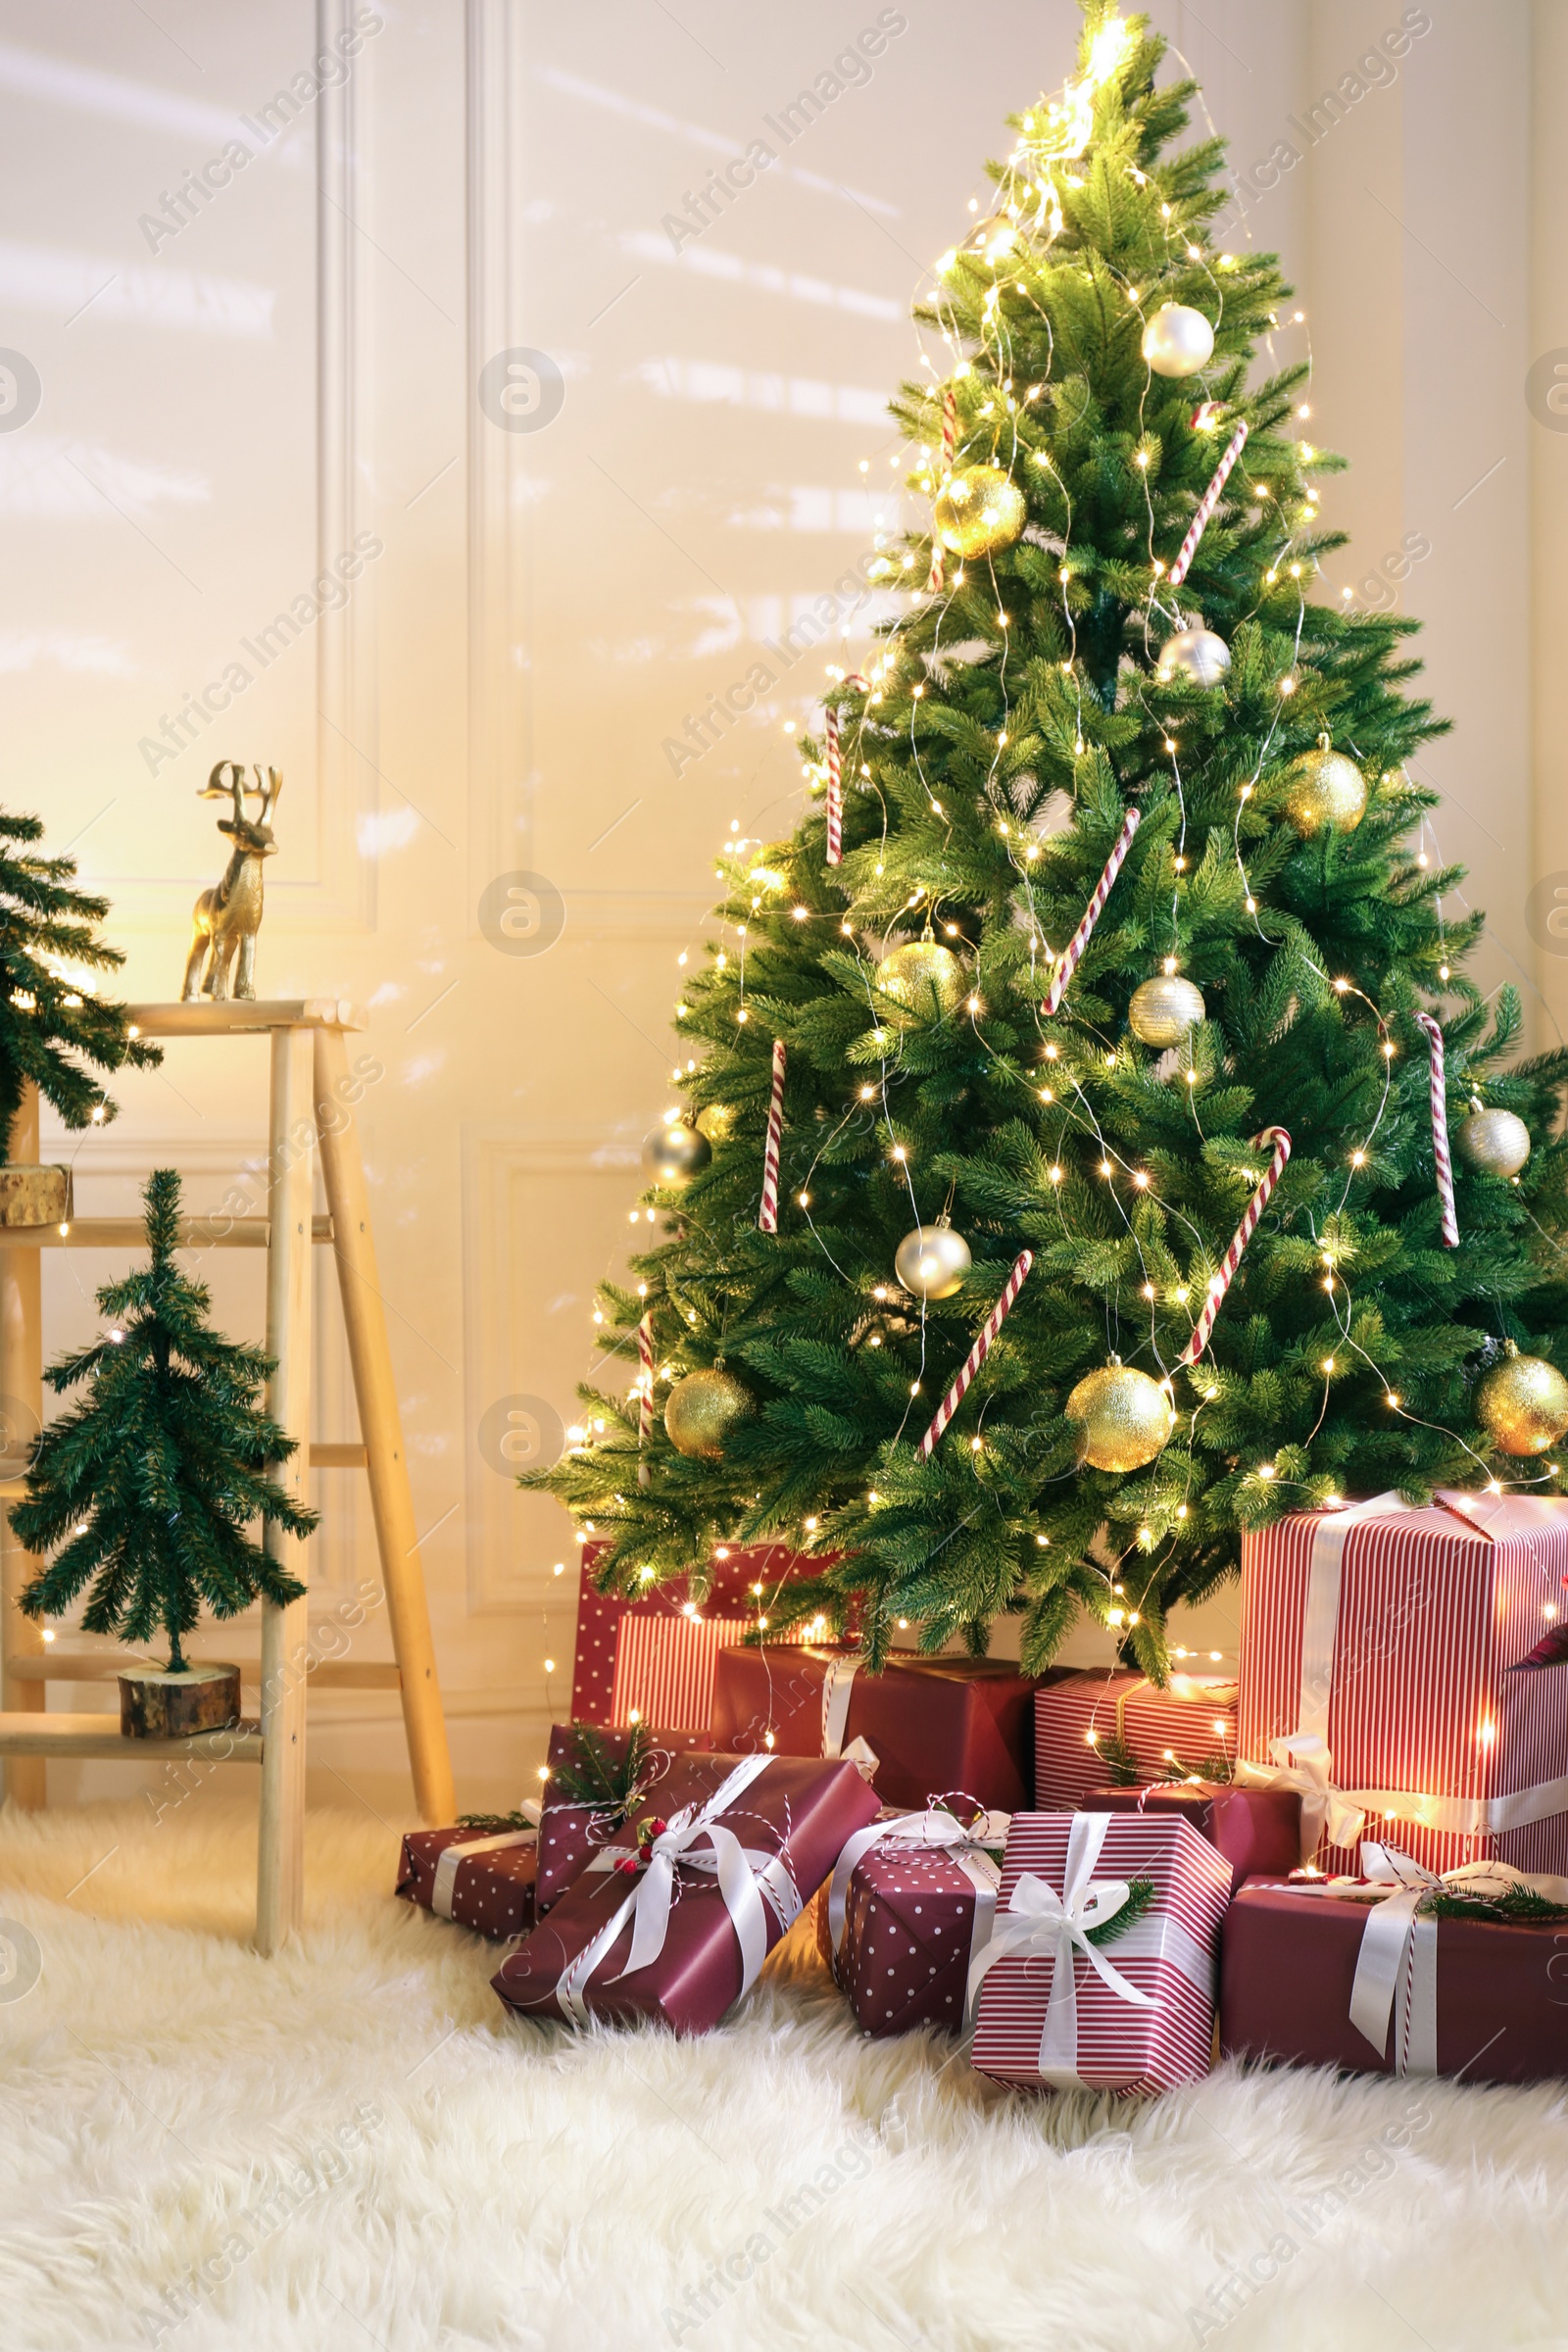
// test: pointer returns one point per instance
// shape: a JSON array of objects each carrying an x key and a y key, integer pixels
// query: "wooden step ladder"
[{"x": 311, "y": 1112}]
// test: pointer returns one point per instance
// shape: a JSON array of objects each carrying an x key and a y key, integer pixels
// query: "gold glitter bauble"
[
  {"x": 1165, "y": 1008},
  {"x": 717, "y": 1122},
  {"x": 932, "y": 1261},
  {"x": 701, "y": 1409},
  {"x": 1325, "y": 789},
  {"x": 1495, "y": 1142},
  {"x": 979, "y": 510},
  {"x": 911, "y": 974},
  {"x": 1523, "y": 1405},
  {"x": 1124, "y": 1417},
  {"x": 672, "y": 1154}
]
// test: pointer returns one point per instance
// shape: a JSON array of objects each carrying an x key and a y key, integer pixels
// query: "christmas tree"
[
  {"x": 50, "y": 1024},
  {"x": 149, "y": 1484},
  {"x": 1121, "y": 969}
]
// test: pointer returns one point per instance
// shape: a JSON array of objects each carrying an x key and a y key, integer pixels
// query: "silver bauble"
[
  {"x": 1178, "y": 341},
  {"x": 1165, "y": 1008},
  {"x": 1495, "y": 1142},
  {"x": 932, "y": 1261},
  {"x": 674, "y": 1154},
  {"x": 1195, "y": 653}
]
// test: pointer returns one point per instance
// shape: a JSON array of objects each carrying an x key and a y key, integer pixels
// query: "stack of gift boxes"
[{"x": 1354, "y": 1851}]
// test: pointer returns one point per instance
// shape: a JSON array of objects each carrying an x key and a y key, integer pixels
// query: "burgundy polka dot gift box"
[
  {"x": 910, "y": 1906},
  {"x": 481, "y": 1876}
]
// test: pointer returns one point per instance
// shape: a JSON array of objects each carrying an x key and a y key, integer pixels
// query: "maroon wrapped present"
[
  {"x": 1256, "y": 1829},
  {"x": 652, "y": 1660},
  {"x": 1363, "y": 1975},
  {"x": 571, "y": 1832},
  {"x": 1132, "y": 2014},
  {"x": 934, "y": 1727},
  {"x": 682, "y": 1932},
  {"x": 481, "y": 1878},
  {"x": 909, "y": 1907},
  {"x": 1083, "y": 1720}
]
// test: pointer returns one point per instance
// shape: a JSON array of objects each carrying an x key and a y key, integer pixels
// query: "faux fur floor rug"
[{"x": 353, "y": 2145}]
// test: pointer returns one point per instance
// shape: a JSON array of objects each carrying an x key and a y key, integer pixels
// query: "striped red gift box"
[
  {"x": 1034, "y": 2034},
  {"x": 1079, "y": 1716},
  {"x": 1388, "y": 1634},
  {"x": 654, "y": 1660}
]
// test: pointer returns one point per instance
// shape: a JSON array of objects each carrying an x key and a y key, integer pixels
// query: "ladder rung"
[
  {"x": 61, "y": 1665},
  {"x": 323, "y": 1458},
  {"x": 129, "y": 1233},
  {"x": 100, "y": 1736}
]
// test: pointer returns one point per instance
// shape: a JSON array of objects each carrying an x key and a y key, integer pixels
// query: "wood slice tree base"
[
  {"x": 34, "y": 1196},
  {"x": 157, "y": 1705}
]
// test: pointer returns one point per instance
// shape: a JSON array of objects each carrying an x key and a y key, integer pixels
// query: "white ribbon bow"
[
  {"x": 932, "y": 1831},
  {"x": 1038, "y": 1922},
  {"x": 1301, "y": 1761},
  {"x": 744, "y": 1876},
  {"x": 1398, "y": 1963}
]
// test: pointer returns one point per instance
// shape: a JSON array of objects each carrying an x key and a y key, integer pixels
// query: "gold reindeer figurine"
[{"x": 229, "y": 916}]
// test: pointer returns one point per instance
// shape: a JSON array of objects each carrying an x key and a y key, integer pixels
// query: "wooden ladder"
[{"x": 311, "y": 1111}]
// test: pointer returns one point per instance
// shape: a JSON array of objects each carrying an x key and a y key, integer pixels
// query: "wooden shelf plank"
[
  {"x": 57, "y": 1664},
  {"x": 235, "y": 1017},
  {"x": 98, "y": 1736},
  {"x": 131, "y": 1232}
]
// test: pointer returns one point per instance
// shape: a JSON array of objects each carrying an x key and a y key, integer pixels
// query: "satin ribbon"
[
  {"x": 1396, "y": 1967},
  {"x": 1041, "y": 1923},
  {"x": 931, "y": 1831},
  {"x": 744, "y": 1876},
  {"x": 1304, "y": 1763},
  {"x": 836, "y": 1686},
  {"x": 443, "y": 1892}
]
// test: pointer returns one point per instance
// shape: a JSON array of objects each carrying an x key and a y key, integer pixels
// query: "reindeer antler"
[
  {"x": 268, "y": 793},
  {"x": 214, "y": 789}
]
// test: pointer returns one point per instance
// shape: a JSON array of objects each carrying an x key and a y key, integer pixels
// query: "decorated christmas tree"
[
  {"x": 50, "y": 1023},
  {"x": 1066, "y": 1184},
  {"x": 149, "y": 1485}
]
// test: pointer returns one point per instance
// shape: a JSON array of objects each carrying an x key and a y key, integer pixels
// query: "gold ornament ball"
[
  {"x": 932, "y": 1261},
  {"x": 910, "y": 974},
  {"x": 1523, "y": 1405},
  {"x": 674, "y": 1154},
  {"x": 979, "y": 510},
  {"x": 1165, "y": 1008},
  {"x": 1178, "y": 340},
  {"x": 700, "y": 1411},
  {"x": 717, "y": 1122},
  {"x": 1325, "y": 789},
  {"x": 1124, "y": 1417},
  {"x": 1494, "y": 1142}
]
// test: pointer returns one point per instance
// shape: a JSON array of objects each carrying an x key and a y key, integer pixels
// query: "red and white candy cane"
[
  {"x": 835, "y": 779},
  {"x": 645, "y": 1400},
  {"x": 1239, "y": 1241},
  {"x": 768, "y": 1214},
  {"x": 1067, "y": 964},
  {"x": 1439, "y": 1133},
  {"x": 1206, "y": 505},
  {"x": 949, "y": 444},
  {"x": 978, "y": 1353}
]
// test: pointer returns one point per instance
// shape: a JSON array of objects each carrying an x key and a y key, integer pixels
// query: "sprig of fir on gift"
[
  {"x": 611, "y": 1782},
  {"x": 1518, "y": 1905},
  {"x": 1140, "y": 1894}
]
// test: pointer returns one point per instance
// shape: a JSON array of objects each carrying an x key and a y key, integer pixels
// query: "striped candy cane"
[
  {"x": 768, "y": 1214},
  {"x": 949, "y": 444},
  {"x": 1080, "y": 939},
  {"x": 645, "y": 1402},
  {"x": 1206, "y": 505},
  {"x": 978, "y": 1353},
  {"x": 1239, "y": 1241},
  {"x": 1439, "y": 1133},
  {"x": 835, "y": 778}
]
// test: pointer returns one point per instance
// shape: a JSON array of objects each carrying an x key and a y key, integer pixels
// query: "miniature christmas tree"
[
  {"x": 149, "y": 1485},
  {"x": 49, "y": 1023},
  {"x": 1111, "y": 976}
]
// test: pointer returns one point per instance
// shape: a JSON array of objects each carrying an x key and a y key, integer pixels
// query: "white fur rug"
[{"x": 363, "y": 2149}]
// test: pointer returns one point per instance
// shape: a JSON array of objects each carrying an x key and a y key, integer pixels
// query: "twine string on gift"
[
  {"x": 1440, "y": 1132},
  {"x": 977, "y": 1353},
  {"x": 768, "y": 1214},
  {"x": 1067, "y": 961},
  {"x": 1239, "y": 1240},
  {"x": 1206, "y": 505}
]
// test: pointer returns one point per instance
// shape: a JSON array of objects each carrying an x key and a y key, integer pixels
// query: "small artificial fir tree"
[
  {"x": 1014, "y": 714},
  {"x": 49, "y": 1023},
  {"x": 149, "y": 1485}
]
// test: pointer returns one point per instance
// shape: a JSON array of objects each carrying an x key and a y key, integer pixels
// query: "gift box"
[
  {"x": 483, "y": 1879},
  {"x": 933, "y": 1727},
  {"x": 1131, "y": 2012},
  {"x": 1088, "y": 1723},
  {"x": 682, "y": 1932},
  {"x": 1359, "y": 1976},
  {"x": 572, "y": 1833},
  {"x": 652, "y": 1660},
  {"x": 1386, "y": 1634},
  {"x": 1256, "y": 1829},
  {"x": 908, "y": 1908}
]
